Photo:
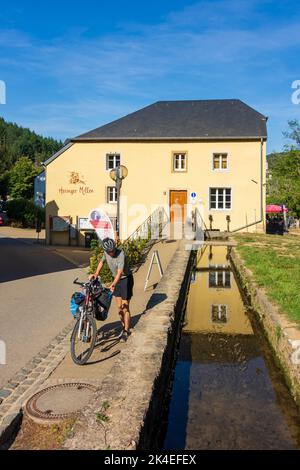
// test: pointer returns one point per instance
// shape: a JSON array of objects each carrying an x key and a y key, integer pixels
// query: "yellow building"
[{"x": 209, "y": 154}]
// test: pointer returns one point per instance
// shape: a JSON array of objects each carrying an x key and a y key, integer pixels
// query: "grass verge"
[{"x": 275, "y": 263}]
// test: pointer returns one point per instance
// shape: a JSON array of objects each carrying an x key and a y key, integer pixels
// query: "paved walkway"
[
  {"x": 49, "y": 285},
  {"x": 48, "y": 277},
  {"x": 109, "y": 349}
]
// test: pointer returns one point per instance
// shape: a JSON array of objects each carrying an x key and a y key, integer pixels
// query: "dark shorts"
[{"x": 124, "y": 288}]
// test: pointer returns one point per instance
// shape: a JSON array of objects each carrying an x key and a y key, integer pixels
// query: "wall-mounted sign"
[
  {"x": 193, "y": 197},
  {"x": 77, "y": 185},
  {"x": 60, "y": 224},
  {"x": 84, "y": 223},
  {"x": 76, "y": 178},
  {"x": 102, "y": 224}
]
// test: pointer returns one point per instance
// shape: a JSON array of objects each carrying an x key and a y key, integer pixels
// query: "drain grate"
[{"x": 59, "y": 402}]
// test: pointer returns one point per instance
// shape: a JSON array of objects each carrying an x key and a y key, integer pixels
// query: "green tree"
[
  {"x": 4, "y": 185},
  {"x": 293, "y": 133},
  {"x": 284, "y": 183},
  {"x": 21, "y": 179}
]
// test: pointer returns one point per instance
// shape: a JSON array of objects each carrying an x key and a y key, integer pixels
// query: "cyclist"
[{"x": 122, "y": 285}]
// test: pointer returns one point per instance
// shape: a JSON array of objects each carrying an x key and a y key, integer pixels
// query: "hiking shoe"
[
  {"x": 119, "y": 336},
  {"x": 125, "y": 336}
]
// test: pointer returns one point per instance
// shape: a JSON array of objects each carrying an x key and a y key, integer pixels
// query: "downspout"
[{"x": 261, "y": 192}]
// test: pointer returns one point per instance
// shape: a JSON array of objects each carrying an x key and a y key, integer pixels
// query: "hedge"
[{"x": 24, "y": 212}]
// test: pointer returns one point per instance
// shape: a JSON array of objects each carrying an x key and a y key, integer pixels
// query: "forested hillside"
[{"x": 16, "y": 142}]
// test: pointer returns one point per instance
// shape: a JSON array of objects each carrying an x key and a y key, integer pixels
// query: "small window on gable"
[
  {"x": 179, "y": 162},
  {"x": 220, "y": 161},
  {"x": 112, "y": 197},
  {"x": 113, "y": 160}
]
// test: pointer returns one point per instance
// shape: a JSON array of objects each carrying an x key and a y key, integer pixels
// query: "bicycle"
[{"x": 85, "y": 332}]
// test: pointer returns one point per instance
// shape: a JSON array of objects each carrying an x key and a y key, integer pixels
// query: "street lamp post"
[{"x": 118, "y": 175}]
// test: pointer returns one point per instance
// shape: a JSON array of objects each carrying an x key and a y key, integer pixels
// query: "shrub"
[
  {"x": 97, "y": 253},
  {"x": 133, "y": 249},
  {"x": 23, "y": 212}
]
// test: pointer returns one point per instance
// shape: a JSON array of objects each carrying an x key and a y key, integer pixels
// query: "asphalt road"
[{"x": 35, "y": 289}]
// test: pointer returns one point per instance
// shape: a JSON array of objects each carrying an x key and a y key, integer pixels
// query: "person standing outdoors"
[{"x": 122, "y": 285}]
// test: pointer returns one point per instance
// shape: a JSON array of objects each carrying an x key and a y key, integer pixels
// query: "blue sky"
[{"x": 72, "y": 66}]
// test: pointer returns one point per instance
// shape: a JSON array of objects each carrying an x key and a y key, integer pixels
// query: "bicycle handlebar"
[{"x": 84, "y": 284}]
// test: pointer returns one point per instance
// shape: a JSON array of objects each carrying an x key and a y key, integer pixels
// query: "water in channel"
[{"x": 227, "y": 392}]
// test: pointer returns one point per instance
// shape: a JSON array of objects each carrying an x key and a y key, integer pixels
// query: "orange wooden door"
[{"x": 178, "y": 201}]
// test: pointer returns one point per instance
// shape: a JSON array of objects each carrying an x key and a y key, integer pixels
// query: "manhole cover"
[{"x": 59, "y": 402}]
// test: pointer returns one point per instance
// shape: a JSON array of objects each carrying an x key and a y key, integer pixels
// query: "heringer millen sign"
[
  {"x": 82, "y": 190},
  {"x": 76, "y": 179}
]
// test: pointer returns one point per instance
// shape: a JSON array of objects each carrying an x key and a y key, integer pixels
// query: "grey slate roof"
[{"x": 184, "y": 120}]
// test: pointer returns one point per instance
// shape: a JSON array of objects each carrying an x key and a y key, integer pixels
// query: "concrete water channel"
[{"x": 227, "y": 391}]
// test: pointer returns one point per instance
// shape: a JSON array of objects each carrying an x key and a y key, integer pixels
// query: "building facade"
[{"x": 207, "y": 154}]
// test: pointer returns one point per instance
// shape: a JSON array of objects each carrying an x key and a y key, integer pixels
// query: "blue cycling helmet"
[{"x": 108, "y": 245}]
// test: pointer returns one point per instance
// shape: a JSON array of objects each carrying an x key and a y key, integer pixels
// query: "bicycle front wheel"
[{"x": 83, "y": 340}]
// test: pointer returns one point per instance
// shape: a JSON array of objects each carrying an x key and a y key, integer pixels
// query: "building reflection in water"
[
  {"x": 223, "y": 396},
  {"x": 214, "y": 303}
]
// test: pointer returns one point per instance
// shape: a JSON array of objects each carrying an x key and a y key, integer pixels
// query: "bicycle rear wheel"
[{"x": 83, "y": 340}]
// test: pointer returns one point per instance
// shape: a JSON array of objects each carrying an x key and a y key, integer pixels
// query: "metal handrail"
[
  {"x": 155, "y": 223},
  {"x": 197, "y": 213}
]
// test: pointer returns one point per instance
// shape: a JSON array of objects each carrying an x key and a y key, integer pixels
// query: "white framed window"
[
  {"x": 179, "y": 162},
  {"x": 219, "y": 278},
  {"x": 220, "y": 161},
  {"x": 219, "y": 313},
  {"x": 112, "y": 196},
  {"x": 113, "y": 160},
  {"x": 220, "y": 198}
]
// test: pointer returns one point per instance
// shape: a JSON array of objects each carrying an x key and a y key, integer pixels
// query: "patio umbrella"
[{"x": 271, "y": 208}]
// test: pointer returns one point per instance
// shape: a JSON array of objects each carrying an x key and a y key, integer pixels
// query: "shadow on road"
[{"x": 20, "y": 260}]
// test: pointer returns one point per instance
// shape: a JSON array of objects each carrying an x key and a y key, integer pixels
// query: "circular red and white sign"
[{"x": 102, "y": 224}]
